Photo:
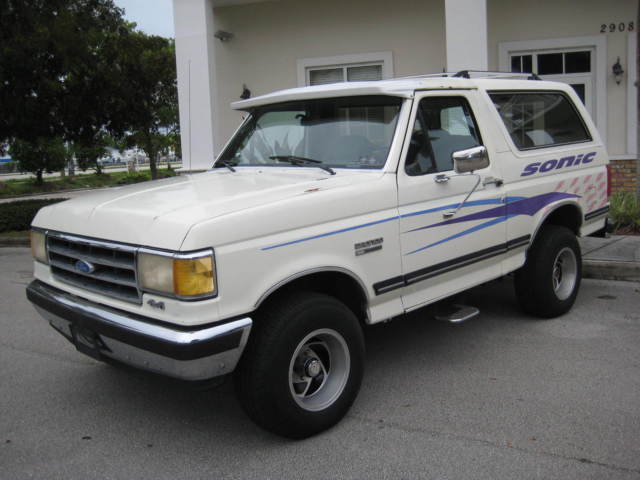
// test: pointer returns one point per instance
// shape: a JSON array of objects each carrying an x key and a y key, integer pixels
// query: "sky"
[{"x": 154, "y": 17}]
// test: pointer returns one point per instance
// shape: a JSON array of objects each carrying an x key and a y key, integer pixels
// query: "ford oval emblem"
[{"x": 84, "y": 267}]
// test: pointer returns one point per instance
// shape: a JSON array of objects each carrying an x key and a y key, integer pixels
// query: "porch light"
[
  {"x": 223, "y": 36},
  {"x": 617, "y": 71}
]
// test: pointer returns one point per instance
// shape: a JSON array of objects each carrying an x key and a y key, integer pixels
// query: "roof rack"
[
  {"x": 479, "y": 74},
  {"x": 489, "y": 74}
]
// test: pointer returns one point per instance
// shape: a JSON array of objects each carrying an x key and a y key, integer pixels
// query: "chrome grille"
[{"x": 115, "y": 266}]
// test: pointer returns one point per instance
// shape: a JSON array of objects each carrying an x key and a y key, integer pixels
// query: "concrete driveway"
[{"x": 501, "y": 397}]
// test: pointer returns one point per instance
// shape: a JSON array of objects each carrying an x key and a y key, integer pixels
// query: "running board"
[{"x": 457, "y": 314}]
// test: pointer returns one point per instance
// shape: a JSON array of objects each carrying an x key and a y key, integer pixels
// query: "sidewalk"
[{"x": 613, "y": 258}]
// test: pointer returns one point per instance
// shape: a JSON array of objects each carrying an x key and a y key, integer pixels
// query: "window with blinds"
[{"x": 345, "y": 73}]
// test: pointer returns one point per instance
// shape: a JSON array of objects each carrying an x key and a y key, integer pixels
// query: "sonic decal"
[{"x": 554, "y": 164}]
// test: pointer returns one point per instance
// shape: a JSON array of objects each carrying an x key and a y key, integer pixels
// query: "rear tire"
[
  {"x": 303, "y": 365},
  {"x": 548, "y": 283}
]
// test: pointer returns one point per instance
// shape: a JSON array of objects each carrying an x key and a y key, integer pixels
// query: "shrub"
[
  {"x": 144, "y": 177},
  {"x": 133, "y": 178},
  {"x": 8, "y": 167},
  {"x": 17, "y": 216},
  {"x": 625, "y": 211},
  {"x": 166, "y": 173}
]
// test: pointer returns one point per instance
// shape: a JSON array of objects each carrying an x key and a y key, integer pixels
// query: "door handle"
[
  {"x": 492, "y": 180},
  {"x": 442, "y": 178}
]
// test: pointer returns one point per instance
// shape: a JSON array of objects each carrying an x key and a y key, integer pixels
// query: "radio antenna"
[{"x": 189, "y": 108}]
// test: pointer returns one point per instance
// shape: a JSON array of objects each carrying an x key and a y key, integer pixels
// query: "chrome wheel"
[
  {"x": 319, "y": 369},
  {"x": 565, "y": 273}
]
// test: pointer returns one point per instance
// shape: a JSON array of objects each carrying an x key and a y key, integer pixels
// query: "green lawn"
[
  {"x": 26, "y": 186},
  {"x": 17, "y": 235}
]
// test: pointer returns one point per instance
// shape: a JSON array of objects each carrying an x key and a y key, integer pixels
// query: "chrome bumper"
[{"x": 187, "y": 353}]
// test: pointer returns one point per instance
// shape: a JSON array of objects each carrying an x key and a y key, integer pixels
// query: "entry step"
[{"x": 456, "y": 313}]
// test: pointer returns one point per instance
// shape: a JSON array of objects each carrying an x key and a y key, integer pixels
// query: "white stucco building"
[{"x": 224, "y": 45}]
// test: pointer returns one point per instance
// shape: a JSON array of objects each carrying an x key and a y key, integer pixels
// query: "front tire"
[
  {"x": 303, "y": 365},
  {"x": 548, "y": 283}
]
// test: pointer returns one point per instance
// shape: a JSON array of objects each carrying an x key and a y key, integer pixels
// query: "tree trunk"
[
  {"x": 152, "y": 166},
  {"x": 152, "y": 154},
  {"x": 151, "y": 151},
  {"x": 39, "y": 179}
]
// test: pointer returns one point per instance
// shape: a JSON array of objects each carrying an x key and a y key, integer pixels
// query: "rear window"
[{"x": 539, "y": 119}]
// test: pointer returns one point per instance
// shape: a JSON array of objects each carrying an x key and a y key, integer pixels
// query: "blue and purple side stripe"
[{"x": 509, "y": 208}]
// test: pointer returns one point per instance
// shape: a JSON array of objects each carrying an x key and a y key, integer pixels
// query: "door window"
[
  {"x": 443, "y": 125},
  {"x": 581, "y": 90},
  {"x": 552, "y": 63}
]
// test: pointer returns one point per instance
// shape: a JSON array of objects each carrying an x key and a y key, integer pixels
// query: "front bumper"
[{"x": 99, "y": 331}]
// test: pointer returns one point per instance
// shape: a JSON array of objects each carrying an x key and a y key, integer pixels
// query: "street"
[{"x": 503, "y": 396}]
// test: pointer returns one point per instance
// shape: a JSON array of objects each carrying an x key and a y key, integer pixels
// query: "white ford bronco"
[{"x": 331, "y": 208}]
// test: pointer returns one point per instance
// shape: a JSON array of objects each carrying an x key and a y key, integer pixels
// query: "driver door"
[{"x": 447, "y": 243}]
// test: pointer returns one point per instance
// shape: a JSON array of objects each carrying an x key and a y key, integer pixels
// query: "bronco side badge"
[{"x": 368, "y": 246}]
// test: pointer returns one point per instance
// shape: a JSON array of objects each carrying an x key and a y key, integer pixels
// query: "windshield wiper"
[
  {"x": 300, "y": 161},
  {"x": 225, "y": 163}
]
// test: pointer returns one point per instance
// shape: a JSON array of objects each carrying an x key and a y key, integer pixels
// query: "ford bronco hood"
[{"x": 160, "y": 213}]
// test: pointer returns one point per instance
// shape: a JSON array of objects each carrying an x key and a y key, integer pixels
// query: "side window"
[
  {"x": 443, "y": 126},
  {"x": 539, "y": 119}
]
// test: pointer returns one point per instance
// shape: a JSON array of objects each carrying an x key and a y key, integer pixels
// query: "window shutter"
[
  {"x": 327, "y": 75},
  {"x": 364, "y": 73}
]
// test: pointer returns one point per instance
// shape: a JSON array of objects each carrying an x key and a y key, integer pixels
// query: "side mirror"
[{"x": 470, "y": 159}]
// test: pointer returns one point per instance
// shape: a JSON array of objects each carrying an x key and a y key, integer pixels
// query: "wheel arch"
[
  {"x": 338, "y": 282},
  {"x": 565, "y": 214}
]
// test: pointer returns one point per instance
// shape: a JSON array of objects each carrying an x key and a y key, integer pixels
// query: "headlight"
[
  {"x": 39, "y": 246},
  {"x": 191, "y": 275},
  {"x": 155, "y": 272}
]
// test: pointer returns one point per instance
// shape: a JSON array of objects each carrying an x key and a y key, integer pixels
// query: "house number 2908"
[{"x": 617, "y": 27}]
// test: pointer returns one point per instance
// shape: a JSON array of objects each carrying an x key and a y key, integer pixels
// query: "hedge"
[
  {"x": 625, "y": 212},
  {"x": 17, "y": 216},
  {"x": 8, "y": 167}
]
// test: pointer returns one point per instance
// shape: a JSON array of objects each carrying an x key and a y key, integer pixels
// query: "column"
[
  {"x": 193, "y": 20},
  {"x": 466, "y": 34}
]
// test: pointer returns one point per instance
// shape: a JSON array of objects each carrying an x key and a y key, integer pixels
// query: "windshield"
[{"x": 349, "y": 132}]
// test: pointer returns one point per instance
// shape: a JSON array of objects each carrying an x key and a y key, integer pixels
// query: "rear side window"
[{"x": 539, "y": 119}]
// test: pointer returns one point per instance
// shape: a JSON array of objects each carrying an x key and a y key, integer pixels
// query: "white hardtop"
[{"x": 399, "y": 87}]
